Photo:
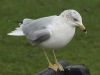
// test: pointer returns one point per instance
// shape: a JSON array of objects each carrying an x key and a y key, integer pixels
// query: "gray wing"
[
  {"x": 37, "y": 24},
  {"x": 38, "y": 36},
  {"x": 36, "y": 31}
]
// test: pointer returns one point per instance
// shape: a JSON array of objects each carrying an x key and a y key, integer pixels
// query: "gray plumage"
[{"x": 35, "y": 30}]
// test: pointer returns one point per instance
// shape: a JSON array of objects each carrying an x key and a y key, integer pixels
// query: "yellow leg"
[
  {"x": 58, "y": 66},
  {"x": 54, "y": 67},
  {"x": 47, "y": 57}
]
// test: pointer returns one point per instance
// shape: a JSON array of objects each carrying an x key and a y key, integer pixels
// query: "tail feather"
[{"x": 17, "y": 32}]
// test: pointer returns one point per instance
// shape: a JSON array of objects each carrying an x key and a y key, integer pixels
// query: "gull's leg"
[
  {"x": 54, "y": 67},
  {"x": 57, "y": 64}
]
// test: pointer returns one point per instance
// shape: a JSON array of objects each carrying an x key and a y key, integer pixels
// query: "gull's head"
[{"x": 74, "y": 18}]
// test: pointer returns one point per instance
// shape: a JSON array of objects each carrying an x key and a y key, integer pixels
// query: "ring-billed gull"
[{"x": 51, "y": 32}]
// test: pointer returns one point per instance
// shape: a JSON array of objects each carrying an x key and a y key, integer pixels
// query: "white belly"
[{"x": 60, "y": 37}]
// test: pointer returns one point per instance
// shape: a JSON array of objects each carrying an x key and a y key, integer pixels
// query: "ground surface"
[{"x": 17, "y": 57}]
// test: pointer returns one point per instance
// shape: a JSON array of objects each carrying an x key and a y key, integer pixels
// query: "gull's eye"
[{"x": 75, "y": 19}]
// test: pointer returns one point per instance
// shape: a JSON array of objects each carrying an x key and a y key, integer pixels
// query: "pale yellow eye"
[{"x": 75, "y": 19}]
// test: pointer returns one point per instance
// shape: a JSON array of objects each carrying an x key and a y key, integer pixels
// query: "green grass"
[{"x": 17, "y": 57}]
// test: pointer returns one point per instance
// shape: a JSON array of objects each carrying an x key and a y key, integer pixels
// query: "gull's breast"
[{"x": 61, "y": 35}]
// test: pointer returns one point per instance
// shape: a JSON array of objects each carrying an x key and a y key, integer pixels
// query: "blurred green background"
[{"x": 18, "y": 57}]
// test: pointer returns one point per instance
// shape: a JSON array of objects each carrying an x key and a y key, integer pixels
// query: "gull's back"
[
  {"x": 37, "y": 31},
  {"x": 38, "y": 24}
]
